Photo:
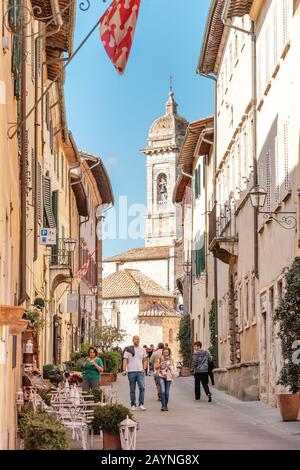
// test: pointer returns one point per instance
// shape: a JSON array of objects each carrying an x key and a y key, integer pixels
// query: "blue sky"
[{"x": 110, "y": 115}]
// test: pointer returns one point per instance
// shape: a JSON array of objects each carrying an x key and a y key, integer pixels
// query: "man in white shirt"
[{"x": 135, "y": 362}]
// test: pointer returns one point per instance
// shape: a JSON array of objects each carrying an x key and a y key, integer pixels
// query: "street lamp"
[
  {"x": 187, "y": 267},
  {"x": 258, "y": 198},
  {"x": 70, "y": 244}
]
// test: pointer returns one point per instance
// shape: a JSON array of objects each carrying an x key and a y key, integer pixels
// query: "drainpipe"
[
  {"x": 36, "y": 127},
  {"x": 79, "y": 310},
  {"x": 254, "y": 137},
  {"x": 214, "y": 78},
  {"x": 23, "y": 175}
]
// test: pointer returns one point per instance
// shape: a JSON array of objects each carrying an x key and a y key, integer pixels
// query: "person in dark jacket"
[{"x": 200, "y": 364}]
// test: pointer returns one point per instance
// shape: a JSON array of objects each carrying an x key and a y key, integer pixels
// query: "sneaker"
[
  {"x": 162, "y": 409},
  {"x": 166, "y": 408},
  {"x": 133, "y": 408},
  {"x": 142, "y": 408},
  {"x": 209, "y": 397}
]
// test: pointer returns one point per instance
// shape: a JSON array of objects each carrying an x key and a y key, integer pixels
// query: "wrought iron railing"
[{"x": 60, "y": 256}]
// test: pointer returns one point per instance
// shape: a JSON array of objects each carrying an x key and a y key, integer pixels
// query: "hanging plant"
[
  {"x": 184, "y": 338},
  {"x": 288, "y": 316},
  {"x": 37, "y": 322}
]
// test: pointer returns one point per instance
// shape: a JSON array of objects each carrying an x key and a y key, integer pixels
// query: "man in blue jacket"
[{"x": 200, "y": 364}]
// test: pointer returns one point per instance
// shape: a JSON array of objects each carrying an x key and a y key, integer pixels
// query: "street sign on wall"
[{"x": 48, "y": 236}]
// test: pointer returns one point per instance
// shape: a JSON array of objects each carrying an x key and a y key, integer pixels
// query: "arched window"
[
  {"x": 171, "y": 336},
  {"x": 162, "y": 188}
]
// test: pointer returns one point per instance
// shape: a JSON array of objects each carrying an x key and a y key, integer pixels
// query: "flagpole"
[{"x": 62, "y": 70}]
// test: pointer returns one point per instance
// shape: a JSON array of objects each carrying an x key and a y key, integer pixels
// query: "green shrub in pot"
[{"x": 109, "y": 417}]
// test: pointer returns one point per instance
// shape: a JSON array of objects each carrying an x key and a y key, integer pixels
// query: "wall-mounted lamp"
[{"x": 258, "y": 197}]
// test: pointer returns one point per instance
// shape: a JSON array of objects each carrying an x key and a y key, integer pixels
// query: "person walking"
[
  {"x": 92, "y": 366},
  {"x": 135, "y": 360},
  {"x": 200, "y": 364},
  {"x": 154, "y": 357},
  {"x": 165, "y": 372}
]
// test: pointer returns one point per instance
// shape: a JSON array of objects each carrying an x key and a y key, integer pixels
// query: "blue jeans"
[
  {"x": 164, "y": 391},
  {"x": 136, "y": 378}
]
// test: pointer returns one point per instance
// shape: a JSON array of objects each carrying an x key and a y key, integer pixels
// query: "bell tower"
[{"x": 165, "y": 140}]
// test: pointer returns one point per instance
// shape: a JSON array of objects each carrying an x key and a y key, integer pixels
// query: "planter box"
[
  {"x": 289, "y": 406},
  {"x": 111, "y": 441},
  {"x": 107, "y": 379},
  {"x": 18, "y": 327},
  {"x": 10, "y": 315}
]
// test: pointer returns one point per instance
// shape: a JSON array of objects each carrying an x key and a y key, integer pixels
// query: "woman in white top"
[{"x": 165, "y": 370}]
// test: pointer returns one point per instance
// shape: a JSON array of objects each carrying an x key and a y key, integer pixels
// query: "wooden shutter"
[
  {"x": 48, "y": 203},
  {"x": 32, "y": 54},
  {"x": 275, "y": 33},
  {"x": 199, "y": 180},
  {"x": 196, "y": 183},
  {"x": 277, "y": 171},
  {"x": 286, "y": 156}
]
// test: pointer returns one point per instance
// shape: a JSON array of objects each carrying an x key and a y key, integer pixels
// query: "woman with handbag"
[{"x": 166, "y": 372}]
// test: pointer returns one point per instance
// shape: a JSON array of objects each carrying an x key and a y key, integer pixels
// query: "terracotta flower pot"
[
  {"x": 106, "y": 378},
  {"x": 27, "y": 335},
  {"x": 10, "y": 315},
  {"x": 185, "y": 372},
  {"x": 111, "y": 441},
  {"x": 289, "y": 406}
]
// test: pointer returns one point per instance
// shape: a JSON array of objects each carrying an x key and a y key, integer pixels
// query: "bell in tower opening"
[{"x": 162, "y": 189}]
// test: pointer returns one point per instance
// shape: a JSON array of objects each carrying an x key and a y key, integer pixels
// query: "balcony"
[
  {"x": 222, "y": 233},
  {"x": 60, "y": 264}
]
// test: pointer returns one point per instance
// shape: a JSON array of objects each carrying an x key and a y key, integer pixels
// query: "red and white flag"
[
  {"x": 83, "y": 270},
  {"x": 117, "y": 28}
]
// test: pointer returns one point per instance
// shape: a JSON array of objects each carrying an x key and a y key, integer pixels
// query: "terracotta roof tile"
[
  {"x": 137, "y": 254},
  {"x": 132, "y": 283},
  {"x": 158, "y": 309}
]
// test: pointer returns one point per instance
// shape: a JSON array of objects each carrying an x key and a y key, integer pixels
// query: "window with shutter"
[
  {"x": 268, "y": 179},
  {"x": 204, "y": 171},
  {"x": 51, "y": 222},
  {"x": 199, "y": 180},
  {"x": 286, "y": 157},
  {"x": 277, "y": 172},
  {"x": 275, "y": 32},
  {"x": 196, "y": 183}
]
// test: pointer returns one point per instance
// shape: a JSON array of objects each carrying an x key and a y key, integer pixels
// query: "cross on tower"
[{"x": 171, "y": 82}]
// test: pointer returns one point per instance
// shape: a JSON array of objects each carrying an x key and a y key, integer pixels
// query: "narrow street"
[{"x": 224, "y": 424}]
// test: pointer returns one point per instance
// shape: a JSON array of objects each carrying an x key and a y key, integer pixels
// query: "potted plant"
[
  {"x": 184, "y": 338},
  {"x": 288, "y": 316},
  {"x": 105, "y": 338},
  {"x": 108, "y": 418},
  {"x": 41, "y": 431}
]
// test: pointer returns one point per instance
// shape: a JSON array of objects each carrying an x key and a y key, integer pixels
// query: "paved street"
[{"x": 227, "y": 423}]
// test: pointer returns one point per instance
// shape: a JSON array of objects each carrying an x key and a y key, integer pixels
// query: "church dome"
[{"x": 171, "y": 126}]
